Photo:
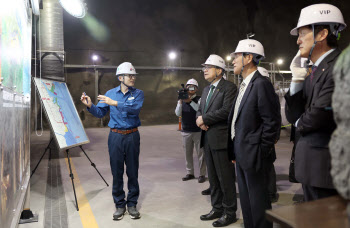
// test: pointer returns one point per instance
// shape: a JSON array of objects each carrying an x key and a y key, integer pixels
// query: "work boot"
[
  {"x": 133, "y": 212},
  {"x": 119, "y": 214}
]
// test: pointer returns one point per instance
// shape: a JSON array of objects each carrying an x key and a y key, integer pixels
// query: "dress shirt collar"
[
  {"x": 249, "y": 78},
  {"x": 216, "y": 83},
  {"x": 323, "y": 56}
]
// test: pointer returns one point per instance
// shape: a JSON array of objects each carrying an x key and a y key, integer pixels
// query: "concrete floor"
[{"x": 165, "y": 200}]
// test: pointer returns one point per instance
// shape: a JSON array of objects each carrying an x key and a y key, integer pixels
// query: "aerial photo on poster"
[{"x": 15, "y": 47}]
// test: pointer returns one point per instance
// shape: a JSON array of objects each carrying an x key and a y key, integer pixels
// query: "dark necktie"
[{"x": 209, "y": 97}]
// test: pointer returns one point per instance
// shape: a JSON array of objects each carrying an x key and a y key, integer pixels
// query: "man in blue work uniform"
[{"x": 124, "y": 103}]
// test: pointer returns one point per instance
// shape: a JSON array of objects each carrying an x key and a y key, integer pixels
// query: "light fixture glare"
[
  {"x": 94, "y": 57},
  {"x": 172, "y": 55},
  {"x": 76, "y": 8}
]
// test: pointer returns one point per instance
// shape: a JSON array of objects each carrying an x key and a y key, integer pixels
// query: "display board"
[
  {"x": 15, "y": 64},
  {"x": 15, "y": 55},
  {"x": 62, "y": 114}
]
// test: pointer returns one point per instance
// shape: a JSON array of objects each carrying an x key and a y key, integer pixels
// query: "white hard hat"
[
  {"x": 263, "y": 71},
  {"x": 322, "y": 14},
  {"x": 215, "y": 60},
  {"x": 126, "y": 68},
  {"x": 192, "y": 81},
  {"x": 250, "y": 46}
]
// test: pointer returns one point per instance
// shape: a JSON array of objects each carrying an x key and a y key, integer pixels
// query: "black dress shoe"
[
  {"x": 206, "y": 192},
  {"x": 212, "y": 215},
  {"x": 224, "y": 220},
  {"x": 201, "y": 179},
  {"x": 188, "y": 177}
]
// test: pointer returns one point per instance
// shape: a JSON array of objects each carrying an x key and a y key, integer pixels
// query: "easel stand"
[
  {"x": 47, "y": 148},
  {"x": 27, "y": 216},
  {"x": 70, "y": 168},
  {"x": 72, "y": 176}
]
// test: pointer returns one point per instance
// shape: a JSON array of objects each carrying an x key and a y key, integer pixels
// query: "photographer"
[{"x": 187, "y": 107}]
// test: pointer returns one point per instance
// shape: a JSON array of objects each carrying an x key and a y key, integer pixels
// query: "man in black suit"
[
  {"x": 309, "y": 100},
  {"x": 272, "y": 187},
  {"x": 216, "y": 101},
  {"x": 254, "y": 123}
]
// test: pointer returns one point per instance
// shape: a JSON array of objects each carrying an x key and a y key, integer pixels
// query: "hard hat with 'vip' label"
[
  {"x": 215, "y": 60},
  {"x": 252, "y": 47},
  {"x": 321, "y": 14}
]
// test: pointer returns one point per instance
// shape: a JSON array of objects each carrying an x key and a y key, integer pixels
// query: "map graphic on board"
[{"x": 62, "y": 114}]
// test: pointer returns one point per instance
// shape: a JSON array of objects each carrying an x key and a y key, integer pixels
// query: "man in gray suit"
[{"x": 217, "y": 99}]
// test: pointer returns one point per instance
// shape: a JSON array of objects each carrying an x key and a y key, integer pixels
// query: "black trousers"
[
  {"x": 221, "y": 174},
  {"x": 271, "y": 180},
  {"x": 254, "y": 195},
  {"x": 314, "y": 193}
]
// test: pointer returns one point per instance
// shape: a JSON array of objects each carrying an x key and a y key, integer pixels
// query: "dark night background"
[{"x": 144, "y": 31}]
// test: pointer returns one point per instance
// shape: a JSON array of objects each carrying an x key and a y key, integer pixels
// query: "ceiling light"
[{"x": 76, "y": 8}]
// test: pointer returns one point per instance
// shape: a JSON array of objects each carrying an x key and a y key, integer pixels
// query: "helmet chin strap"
[
  {"x": 240, "y": 73},
  {"x": 312, "y": 48},
  {"x": 126, "y": 85},
  {"x": 216, "y": 75},
  {"x": 242, "y": 66}
]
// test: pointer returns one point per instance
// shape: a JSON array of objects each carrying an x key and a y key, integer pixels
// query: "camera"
[{"x": 183, "y": 95}]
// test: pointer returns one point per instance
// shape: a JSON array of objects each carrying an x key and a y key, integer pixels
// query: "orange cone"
[{"x": 180, "y": 123}]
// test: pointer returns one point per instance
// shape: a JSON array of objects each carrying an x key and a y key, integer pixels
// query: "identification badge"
[{"x": 131, "y": 98}]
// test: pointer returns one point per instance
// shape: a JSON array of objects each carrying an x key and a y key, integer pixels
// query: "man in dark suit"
[
  {"x": 272, "y": 187},
  {"x": 309, "y": 100},
  {"x": 254, "y": 123},
  {"x": 216, "y": 101}
]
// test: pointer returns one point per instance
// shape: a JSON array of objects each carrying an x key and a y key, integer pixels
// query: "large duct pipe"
[{"x": 52, "y": 43}]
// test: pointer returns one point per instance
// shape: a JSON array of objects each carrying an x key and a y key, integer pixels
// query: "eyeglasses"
[
  {"x": 130, "y": 76},
  {"x": 207, "y": 68}
]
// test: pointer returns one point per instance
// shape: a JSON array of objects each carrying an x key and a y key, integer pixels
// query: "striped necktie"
[
  {"x": 209, "y": 97},
  {"x": 237, "y": 104},
  {"x": 313, "y": 69}
]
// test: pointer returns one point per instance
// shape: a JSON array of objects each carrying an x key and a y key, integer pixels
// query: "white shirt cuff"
[{"x": 295, "y": 87}]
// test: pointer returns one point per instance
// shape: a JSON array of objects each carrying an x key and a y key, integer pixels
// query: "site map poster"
[{"x": 62, "y": 114}]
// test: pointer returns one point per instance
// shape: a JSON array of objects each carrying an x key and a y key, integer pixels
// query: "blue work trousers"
[{"x": 124, "y": 149}]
